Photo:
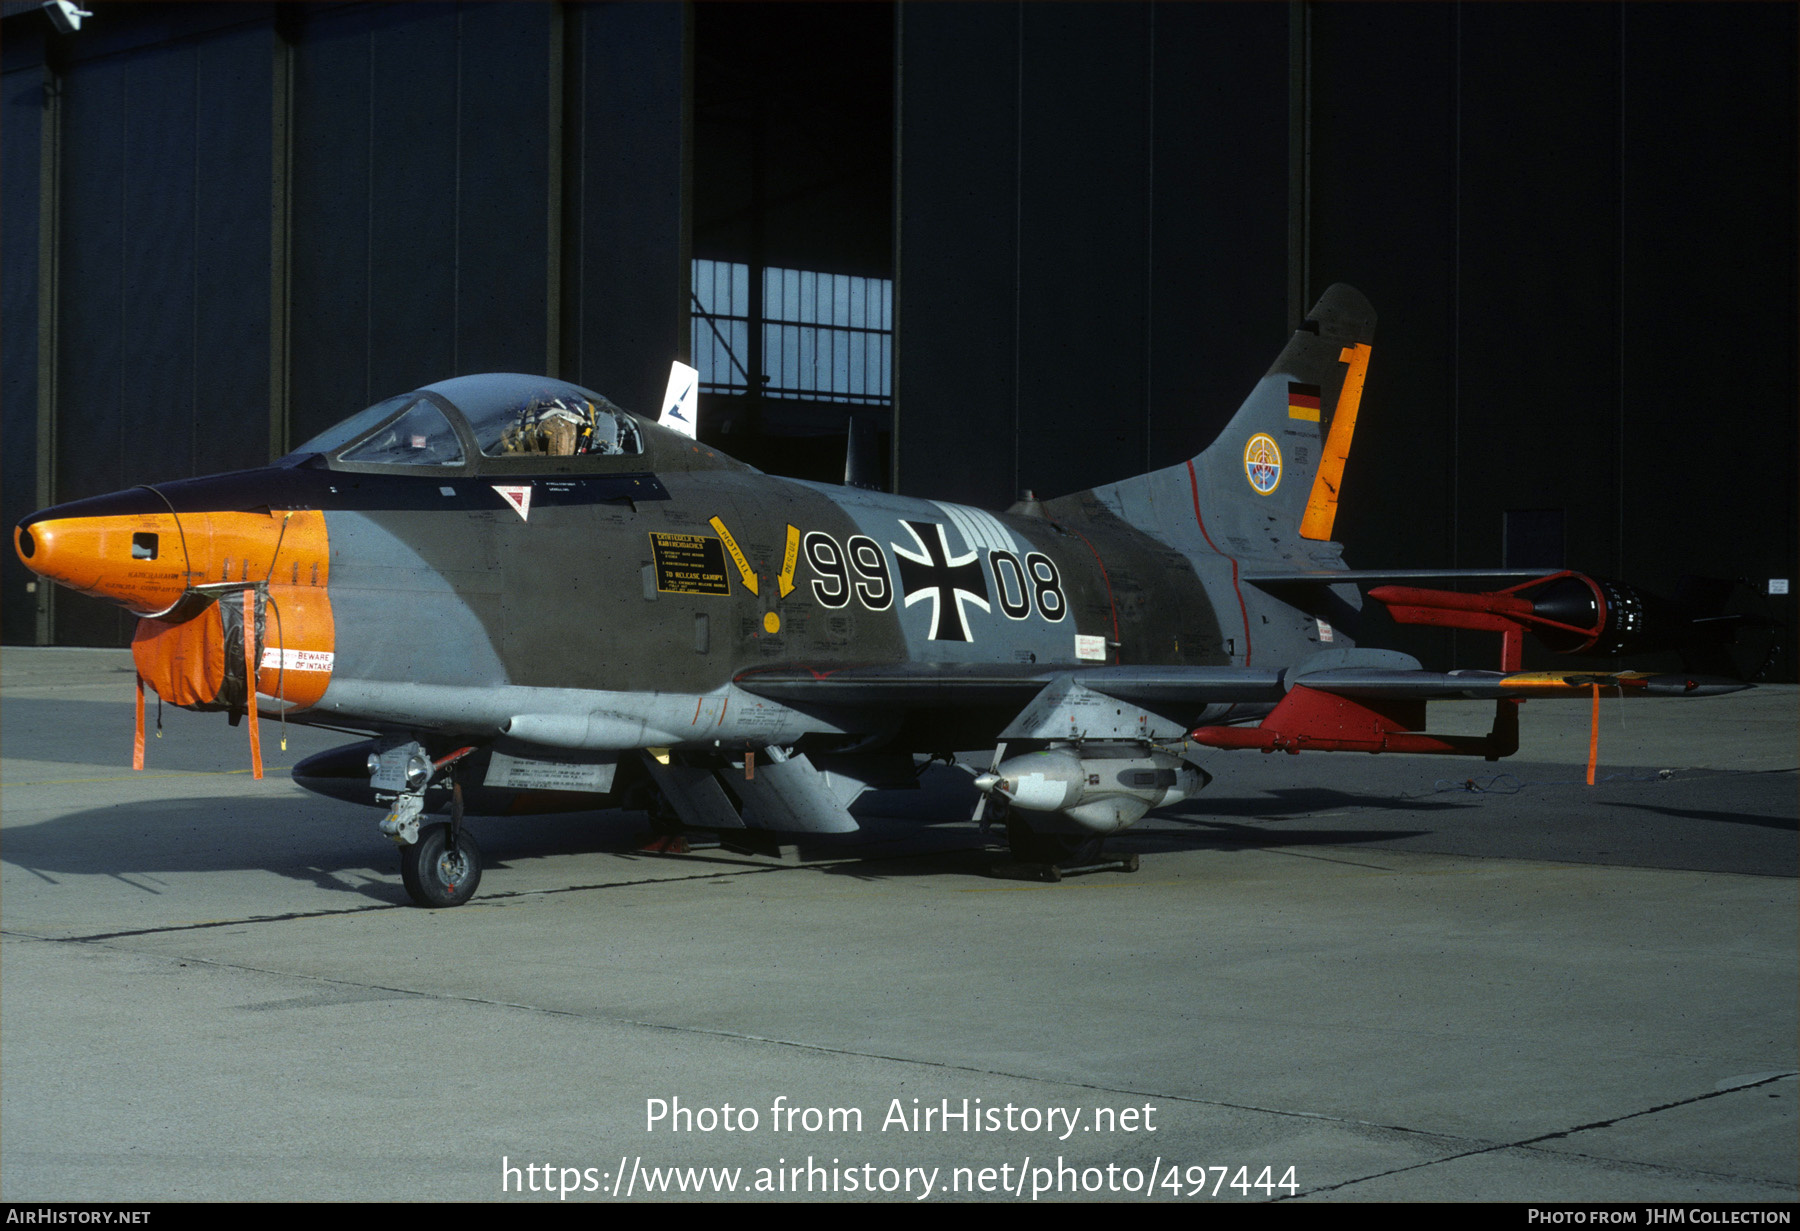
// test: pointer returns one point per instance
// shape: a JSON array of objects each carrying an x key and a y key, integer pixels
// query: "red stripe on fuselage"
[
  {"x": 1194, "y": 483},
  {"x": 1109, "y": 594}
]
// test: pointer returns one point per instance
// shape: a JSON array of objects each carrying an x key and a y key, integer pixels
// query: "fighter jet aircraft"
[{"x": 530, "y": 599}]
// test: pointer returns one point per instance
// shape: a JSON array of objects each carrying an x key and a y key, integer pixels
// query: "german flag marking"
[{"x": 1303, "y": 401}]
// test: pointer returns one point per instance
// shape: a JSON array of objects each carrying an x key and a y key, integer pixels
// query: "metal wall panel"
[
  {"x": 1537, "y": 353},
  {"x": 1709, "y": 241},
  {"x": 1384, "y": 219},
  {"x": 91, "y": 357},
  {"x": 21, "y": 121},
  {"x": 413, "y": 198},
  {"x": 1093, "y": 221},
  {"x": 421, "y": 200},
  {"x": 1708, "y": 433},
  {"x": 631, "y": 271},
  {"x": 156, "y": 296},
  {"x": 503, "y": 210},
  {"x": 1218, "y": 233},
  {"x": 162, "y": 352},
  {"x": 1084, "y": 235},
  {"x": 231, "y": 261},
  {"x": 956, "y": 409},
  {"x": 329, "y": 304}
]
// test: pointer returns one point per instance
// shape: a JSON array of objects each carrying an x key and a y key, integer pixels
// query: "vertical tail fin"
[{"x": 1282, "y": 455}]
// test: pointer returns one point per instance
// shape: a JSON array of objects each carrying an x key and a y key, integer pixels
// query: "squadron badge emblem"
[{"x": 1262, "y": 463}]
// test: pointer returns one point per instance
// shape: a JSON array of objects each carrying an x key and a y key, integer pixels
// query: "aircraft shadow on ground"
[
  {"x": 904, "y": 834},
  {"x": 98, "y": 733},
  {"x": 322, "y": 842},
  {"x": 335, "y": 846},
  {"x": 1788, "y": 823}
]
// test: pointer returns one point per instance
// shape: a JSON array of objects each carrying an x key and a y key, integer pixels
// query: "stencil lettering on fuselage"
[{"x": 689, "y": 564}]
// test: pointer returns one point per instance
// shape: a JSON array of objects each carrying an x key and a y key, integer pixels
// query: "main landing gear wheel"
[{"x": 436, "y": 875}]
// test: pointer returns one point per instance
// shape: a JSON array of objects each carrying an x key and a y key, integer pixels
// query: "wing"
[
  {"x": 1340, "y": 700},
  {"x": 931, "y": 685},
  {"x": 1377, "y": 674}
]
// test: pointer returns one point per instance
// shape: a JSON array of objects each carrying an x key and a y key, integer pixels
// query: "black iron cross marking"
[{"x": 932, "y": 573}]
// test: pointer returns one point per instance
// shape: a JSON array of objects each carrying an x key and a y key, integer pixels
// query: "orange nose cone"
[
  {"x": 147, "y": 561},
  {"x": 135, "y": 561}
]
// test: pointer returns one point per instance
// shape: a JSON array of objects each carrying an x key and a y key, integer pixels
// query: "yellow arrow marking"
[
  {"x": 737, "y": 556},
  {"x": 785, "y": 583}
]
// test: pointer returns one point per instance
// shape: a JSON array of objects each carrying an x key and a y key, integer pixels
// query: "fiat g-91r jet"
[{"x": 530, "y": 600}]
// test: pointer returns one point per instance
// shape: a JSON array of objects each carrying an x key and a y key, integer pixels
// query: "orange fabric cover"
[{"x": 184, "y": 662}]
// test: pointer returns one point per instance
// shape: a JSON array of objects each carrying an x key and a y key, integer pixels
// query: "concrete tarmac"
[{"x": 1334, "y": 978}]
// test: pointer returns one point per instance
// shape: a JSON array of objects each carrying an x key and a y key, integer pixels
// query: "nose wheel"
[{"x": 436, "y": 872}]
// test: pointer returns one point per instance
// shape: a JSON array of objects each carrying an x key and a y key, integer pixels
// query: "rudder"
[{"x": 1281, "y": 458}]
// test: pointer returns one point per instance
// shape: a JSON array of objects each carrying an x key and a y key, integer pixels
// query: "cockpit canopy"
[{"x": 498, "y": 415}]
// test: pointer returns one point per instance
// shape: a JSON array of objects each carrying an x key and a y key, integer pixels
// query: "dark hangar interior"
[{"x": 1026, "y": 245}]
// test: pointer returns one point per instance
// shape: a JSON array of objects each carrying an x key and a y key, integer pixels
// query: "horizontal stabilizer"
[
  {"x": 1513, "y": 685},
  {"x": 1363, "y": 577}
]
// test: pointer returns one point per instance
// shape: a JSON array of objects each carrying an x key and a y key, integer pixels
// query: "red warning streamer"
[{"x": 1594, "y": 736}]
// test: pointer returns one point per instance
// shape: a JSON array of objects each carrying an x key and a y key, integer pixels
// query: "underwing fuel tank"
[{"x": 1102, "y": 790}]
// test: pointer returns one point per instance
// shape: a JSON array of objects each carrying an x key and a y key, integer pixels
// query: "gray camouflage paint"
[{"x": 461, "y": 619}]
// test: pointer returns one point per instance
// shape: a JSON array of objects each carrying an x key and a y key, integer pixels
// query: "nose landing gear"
[
  {"x": 443, "y": 868},
  {"x": 440, "y": 864}
]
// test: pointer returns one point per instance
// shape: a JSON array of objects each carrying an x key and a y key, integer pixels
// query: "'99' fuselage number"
[{"x": 859, "y": 567}]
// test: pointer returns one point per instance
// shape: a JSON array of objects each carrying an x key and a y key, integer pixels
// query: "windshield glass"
[
  {"x": 510, "y": 415},
  {"x": 420, "y": 437},
  {"x": 343, "y": 432}
]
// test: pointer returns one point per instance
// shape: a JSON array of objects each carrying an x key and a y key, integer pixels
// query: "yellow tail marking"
[{"x": 1321, "y": 505}]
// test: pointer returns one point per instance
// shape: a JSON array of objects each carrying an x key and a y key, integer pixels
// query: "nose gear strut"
[{"x": 440, "y": 864}]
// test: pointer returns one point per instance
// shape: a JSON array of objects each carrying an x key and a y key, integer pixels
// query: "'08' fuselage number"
[{"x": 859, "y": 567}]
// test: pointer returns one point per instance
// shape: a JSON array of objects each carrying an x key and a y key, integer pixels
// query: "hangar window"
[
  {"x": 823, "y": 337},
  {"x": 722, "y": 326}
]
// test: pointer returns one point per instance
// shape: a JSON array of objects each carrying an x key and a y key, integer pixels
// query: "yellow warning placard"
[{"x": 689, "y": 564}]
